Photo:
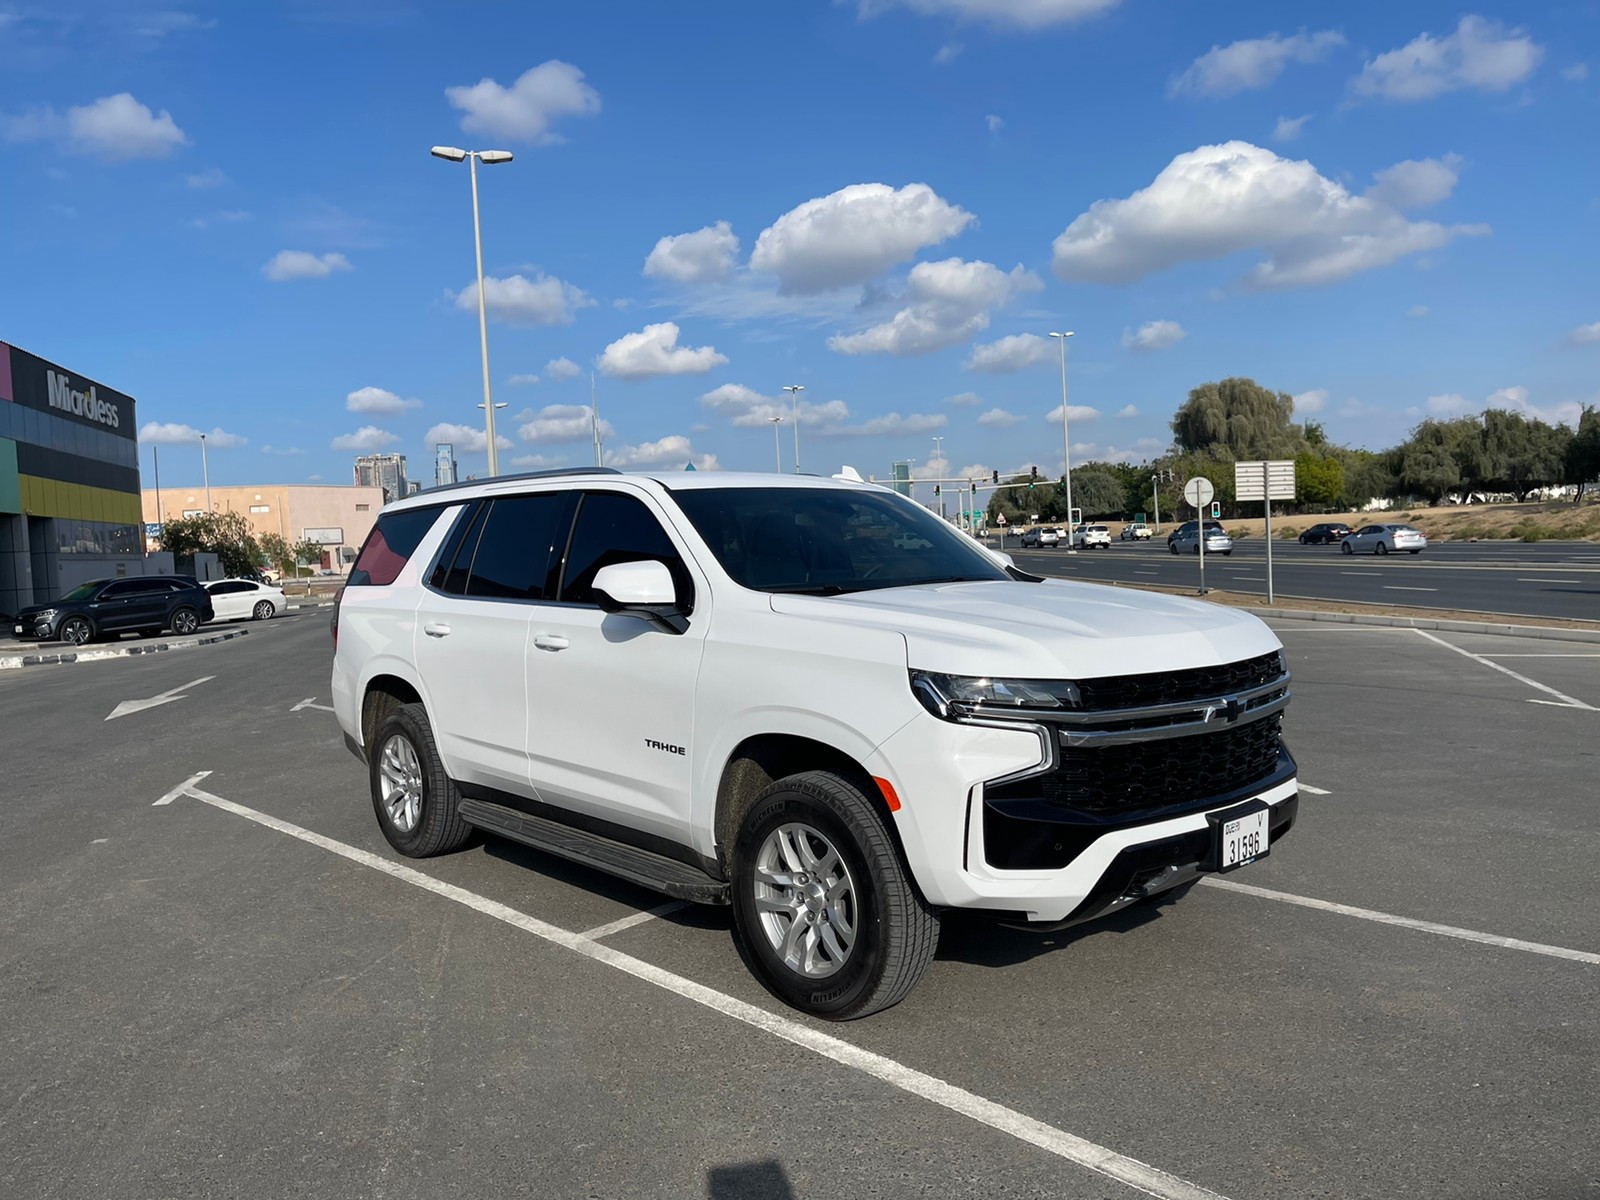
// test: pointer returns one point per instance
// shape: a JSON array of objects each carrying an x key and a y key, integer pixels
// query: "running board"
[{"x": 654, "y": 871}]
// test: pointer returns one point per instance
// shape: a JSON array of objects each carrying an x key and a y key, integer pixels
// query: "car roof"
[{"x": 668, "y": 481}]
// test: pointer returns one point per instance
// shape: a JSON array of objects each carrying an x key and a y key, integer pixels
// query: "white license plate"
[
  {"x": 1244, "y": 839},
  {"x": 18, "y": 631}
]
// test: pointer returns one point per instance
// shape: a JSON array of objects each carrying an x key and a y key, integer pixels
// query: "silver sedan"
[
  {"x": 1188, "y": 542},
  {"x": 1381, "y": 539}
]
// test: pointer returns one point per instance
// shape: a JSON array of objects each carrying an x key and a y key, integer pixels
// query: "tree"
[
  {"x": 1318, "y": 481},
  {"x": 1581, "y": 463},
  {"x": 1368, "y": 476},
  {"x": 1241, "y": 418},
  {"x": 1096, "y": 490},
  {"x": 225, "y": 534},
  {"x": 306, "y": 553},
  {"x": 275, "y": 549}
]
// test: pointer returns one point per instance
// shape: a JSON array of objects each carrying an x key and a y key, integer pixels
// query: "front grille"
[
  {"x": 1176, "y": 687},
  {"x": 1128, "y": 778}
]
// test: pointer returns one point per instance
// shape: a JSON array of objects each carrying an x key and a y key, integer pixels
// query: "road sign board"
[
  {"x": 1001, "y": 519},
  {"x": 1198, "y": 491},
  {"x": 1268, "y": 480}
]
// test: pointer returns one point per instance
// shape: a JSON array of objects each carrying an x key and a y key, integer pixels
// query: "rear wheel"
[
  {"x": 185, "y": 620},
  {"x": 1304, "y": 541},
  {"x": 1416, "y": 552},
  {"x": 416, "y": 803},
  {"x": 76, "y": 631},
  {"x": 830, "y": 919},
  {"x": 1383, "y": 548},
  {"x": 263, "y": 610}
]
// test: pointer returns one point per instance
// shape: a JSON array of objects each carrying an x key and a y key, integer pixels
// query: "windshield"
[
  {"x": 830, "y": 540},
  {"x": 84, "y": 591}
]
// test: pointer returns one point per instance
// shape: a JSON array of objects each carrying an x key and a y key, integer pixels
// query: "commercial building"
[
  {"x": 444, "y": 464},
  {"x": 337, "y": 517},
  {"x": 387, "y": 471},
  {"x": 69, "y": 480}
]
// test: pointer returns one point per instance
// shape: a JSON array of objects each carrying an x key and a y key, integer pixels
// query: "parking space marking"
[
  {"x": 311, "y": 702},
  {"x": 1142, "y": 1177},
  {"x": 1383, "y": 918},
  {"x": 1315, "y": 791},
  {"x": 638, "y": 918},
  {"x": 1539, "y": 656},
  {"x": 1566, "y": 700},
  {"x": 183, "y": 789}
]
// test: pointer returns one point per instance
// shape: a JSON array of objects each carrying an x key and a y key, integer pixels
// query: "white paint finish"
[
  {"x": 638, "y": 918},
  {"x": 311, "y": 702},
  {"x": 1565, "y": 699},
  {"x": 128, "y": 707},
  {"x": 182, "y": 789},
  {"x": 1149, "y": 1180},
  {"x": 1382, "y": 918},
  {"x": 1315, "y": 791}
]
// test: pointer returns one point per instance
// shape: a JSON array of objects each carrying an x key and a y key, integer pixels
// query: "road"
[
  {"x": 1543, "y": 579},
  {"x": 242, "y": 992}
]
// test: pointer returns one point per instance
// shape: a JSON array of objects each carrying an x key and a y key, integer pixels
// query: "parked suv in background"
[
  {"x": 1040, "y": 538},
  {"x": 812, "y": 700},
  {"x": 143, "y": 604}
]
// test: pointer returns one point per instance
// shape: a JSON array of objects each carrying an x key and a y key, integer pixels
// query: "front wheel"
[
  {"x": 1347, "y": 547},
  {"x": 185, "y": 620},
  {"x": 1226, "y": 553},
  {"x": 1303, "y": 540},
  {"x": 1416, "y": 552},
  {"x": 830, "y": 919},
  {"x": 76, "y": 631},
  {"x": 416, "y": 802},
  {"x": 1173, "y": 546},
  {"x": 262, "y": 610}
]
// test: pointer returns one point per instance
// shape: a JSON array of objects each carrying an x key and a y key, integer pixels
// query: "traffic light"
[
  {"x": 936, "y": 489},
  {"x": 1216, "y": 510},
  {"x": 996, "y": 475},
  {"x": 1033, "y": 472}
]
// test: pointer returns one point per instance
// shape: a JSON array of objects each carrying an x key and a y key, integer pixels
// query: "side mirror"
[{"x": 641, "y": 589}]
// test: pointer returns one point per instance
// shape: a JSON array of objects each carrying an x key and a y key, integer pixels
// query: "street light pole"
[
  {"x": 1066, "y": 443},
  {"x": 205, "y": 467},
  {"x": 794, "y": 390},
  {"x": 1155, "y": 498},
  {"x": 777, "y": 452},
  {"x": 938, "y": 457},
  {"x": 490, "y": 157}
]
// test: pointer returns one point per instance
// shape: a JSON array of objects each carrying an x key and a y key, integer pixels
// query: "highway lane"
[{"x": 1544, "y": 579}]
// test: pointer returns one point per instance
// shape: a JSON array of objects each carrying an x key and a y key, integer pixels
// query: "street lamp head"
[
  {"x": 448, "y": 152},
  {"x": 1063, "y": 336},
  {"x": 794, "y": 387},
  {"x": 494, "y": 156}
]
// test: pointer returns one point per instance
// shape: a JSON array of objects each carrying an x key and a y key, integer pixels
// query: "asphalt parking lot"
[{"x": 241, "y": 991}]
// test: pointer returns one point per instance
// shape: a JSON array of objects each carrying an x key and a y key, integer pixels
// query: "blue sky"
[{"x": 230, "y": 213}]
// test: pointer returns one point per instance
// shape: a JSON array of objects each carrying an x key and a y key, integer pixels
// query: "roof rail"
[{"x": 552, "y": 473}]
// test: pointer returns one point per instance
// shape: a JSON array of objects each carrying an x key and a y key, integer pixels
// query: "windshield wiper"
[{"x": 810, "y": 589}]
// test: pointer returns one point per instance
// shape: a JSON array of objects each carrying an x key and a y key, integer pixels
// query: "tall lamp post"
[
  {"x": 489, "y": 158},
  {"x": 777, "y": 452},
  {"x": 794, "y": 390},
  {"x": 938, "y": 457},
  {"x": 1066, "y": 443},
  {"x": 205, "y": 468}
]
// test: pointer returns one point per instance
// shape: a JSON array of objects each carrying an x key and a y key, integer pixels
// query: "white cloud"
[
  {"x": 227, "y": 216},
  {"x": 995, "y": 124},
  {"x": 1513, "y": 399},
  {"x": 288, "y": 265},
  {"x": 949, "y": 304},
  {"x": 113, "y": 128},
  {"x": 675, "y": 450},
  {"x": 1131, "y": 410},
  {"x": 467, "y": 439},
  {"x": 536, "y": 462},
  {"x": 158, "y": 433},
  {"x": 1311, "y": 402},
  {"x": 209, "y": 178},
  {"x": 562, "y": 423},
  {"x": 1153, "y": 335},
  {"x": 1288, "y": 128},
  {"x": 522, "y": 380},
  {"x": 888, "y": 423},
  {"x": 706, "y": 254},
  {"x": 1014, "y": 14},
  {"x": 562, "y": 368},
  {"x": 1251, "y": 64},
  {"x": 281, "y": 451},
  {"x": 525, "y": 111},
  {"x": 948, "y": 53},
  {"x": 518, "y": 300},
  {"x": 1576, "y": 73},
  {"x": 1075, "y": 412},
  {"x": 1481, "y": 55},
  {"x": 999, "y": 418},
  {"x": 1417, "y": 311},
  {"x": 378, "y": 400},
  {"x": 1215, "y": 201},
  {"x": 750, "y": 409},
  {"x": 849, "y": 236},
  {"x": 367, "y": 439},
  {"x": 1585, "y": 335},
  {"x": 653, "y": 351},
  {"x": 964, "y": 400},
  {"x": 1011, "y": 354}
]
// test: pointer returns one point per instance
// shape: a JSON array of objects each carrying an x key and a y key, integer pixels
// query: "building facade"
[
  {"x": 69, "y": 479},
  {"x": 387, "y": 471},
  {"x": 336, "y": 517},
  {"x": 444, "y": 464}
]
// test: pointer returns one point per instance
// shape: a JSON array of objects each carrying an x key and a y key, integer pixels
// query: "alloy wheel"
[
  {"x": 806, "y": 898},
  {"x": 400, "y": 776}
]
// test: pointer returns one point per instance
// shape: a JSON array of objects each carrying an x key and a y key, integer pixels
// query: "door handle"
[
  {"x": 550, "y": 641},
  {"x": 434, "y": 629}
]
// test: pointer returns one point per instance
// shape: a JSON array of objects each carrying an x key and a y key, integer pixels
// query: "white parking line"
[
  {"x": 311, "y": 702},
  {"x": 1142, "y": 1177},
  {"x": 182, "y": 789},
  {"x": 1315, "y": 791},
  {"x": 1367, "y": 914},
  {"x": 638, "y": 918},
  {"x": 1566, "y": 700},
  {"x": 1539, "y": 656}
]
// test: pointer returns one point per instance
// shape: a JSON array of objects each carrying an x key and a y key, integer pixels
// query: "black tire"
[
  {"x": 1416, "y": 552},
  {"x": 1304, "y": 541},
  {"x": 1172, "y": 546},
  {"x": 1383, "y": 548},
  {"x": 438, "y": 828},
  {"x": 76, "y": 631},
  {"x": 1347, "y": 547},
  {"x": 1225, "y": 553},
  {"x": 184, "y": 620},
  {"x": 895, "y": 930},
  {"x": 263, "y": 610}
]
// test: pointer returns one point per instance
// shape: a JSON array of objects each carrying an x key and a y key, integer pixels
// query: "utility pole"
[
  {"x": 594, "y": 413},
  {"x": 205, "y": 467}
]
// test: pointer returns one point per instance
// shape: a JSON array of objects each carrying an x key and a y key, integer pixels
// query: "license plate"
[
  {"x": 1242, "y": 839},
  {"x": 18, "y": 631}
]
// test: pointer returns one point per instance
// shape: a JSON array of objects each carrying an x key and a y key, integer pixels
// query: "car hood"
[
  {"x": 34, "y": 610},
  {"x": 1053, "y": 629}
]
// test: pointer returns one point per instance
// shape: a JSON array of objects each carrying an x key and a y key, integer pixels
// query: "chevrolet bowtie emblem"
[{"x": 1228, "y": 712}]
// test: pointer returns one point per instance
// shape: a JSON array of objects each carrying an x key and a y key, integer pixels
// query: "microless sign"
[{"x": 41, "y": 385}]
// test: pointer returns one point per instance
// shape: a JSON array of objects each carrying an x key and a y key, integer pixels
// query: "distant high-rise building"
[
  {"x": 387, "y": 471},
  {"x": 444, "y": 464}
]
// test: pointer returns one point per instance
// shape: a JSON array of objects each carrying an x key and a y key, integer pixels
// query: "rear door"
[
  {"x": 130, "y": 604},
  {"x": 227, "y": 599}
]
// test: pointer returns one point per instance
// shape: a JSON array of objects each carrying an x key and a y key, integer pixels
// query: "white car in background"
[
  {"x": 1089, "y": 536},
  {"x": 236, "y": 598},
  {"x": 1380, "y": 539}
]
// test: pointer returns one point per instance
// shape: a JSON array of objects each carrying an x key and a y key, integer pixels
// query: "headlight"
[
  {"x": 951, "y": 697},
  {"x": 46, "y": 616}
]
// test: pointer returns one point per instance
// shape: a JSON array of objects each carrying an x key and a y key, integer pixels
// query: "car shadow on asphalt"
[
  {"x": 765, "y": 1180},
  {"x": 982, "y": 941}
]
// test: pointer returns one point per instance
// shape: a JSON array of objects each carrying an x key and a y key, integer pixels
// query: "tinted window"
[
  {"x": 831, "y": 540},
  {"x": 133, "y": 587},
  {"x": 455, "y": 556},
  {"x": 614, "y": 528},
  {"x": 517, "y": 552},
  {"x": 228, "y": 589},
  {"x": 390, "y": 546}
]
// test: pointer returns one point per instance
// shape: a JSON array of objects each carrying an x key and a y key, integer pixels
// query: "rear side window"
[
  {"x": 390, "y": 546},
  {"x": 614, "y": 528},
  {"x": 519, "y": 550}
]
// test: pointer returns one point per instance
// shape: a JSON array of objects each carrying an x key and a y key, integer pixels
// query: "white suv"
[{"x": 810, "y": 699}]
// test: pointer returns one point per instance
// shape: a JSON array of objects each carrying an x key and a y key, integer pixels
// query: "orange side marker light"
[{"x": 889, "y": 796}]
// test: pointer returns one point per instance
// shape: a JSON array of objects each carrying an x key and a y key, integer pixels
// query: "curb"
[
  {"x": 1444, "y": 625},
  {"x": 18, "y": 661}
]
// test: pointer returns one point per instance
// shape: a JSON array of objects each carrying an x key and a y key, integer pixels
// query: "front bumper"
[{"x": 28, "y": 629}]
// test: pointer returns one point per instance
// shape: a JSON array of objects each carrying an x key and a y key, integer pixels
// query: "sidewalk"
[{"x": 15, "y": 655}]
